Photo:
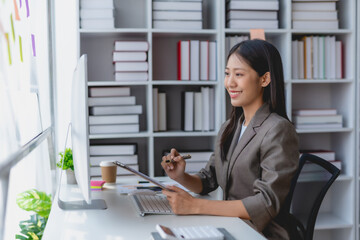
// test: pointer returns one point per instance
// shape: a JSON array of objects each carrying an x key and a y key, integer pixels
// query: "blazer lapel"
[{"x": 261, "y": 114}]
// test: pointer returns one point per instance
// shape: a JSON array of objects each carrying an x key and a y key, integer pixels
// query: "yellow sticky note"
[
  {"x": 8, "y": 46},
  {"x": 12, "y": 26},
  {"x": 257, "y": 34},
  {"x": 21, "y": 53}
]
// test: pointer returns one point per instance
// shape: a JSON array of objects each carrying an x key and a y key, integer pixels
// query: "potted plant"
[
  {"x": 39, "y": 203},
  {"x": 66, "y": 161}
]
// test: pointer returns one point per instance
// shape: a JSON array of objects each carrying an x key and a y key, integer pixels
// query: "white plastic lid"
[{"x": 107, "y": 164}]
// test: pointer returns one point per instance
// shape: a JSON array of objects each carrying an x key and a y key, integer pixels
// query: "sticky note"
[
  {"x": 17, "y": 16},
  {"x": 27, "y": 8},
  {"x": 21, "y": 53},
  {"x": 33, "y": 44},
  {"x": 20, "y": 3},
  {"x": 12, "y": 26},
  {"x": 8, "y": 46},
  {"x": 257, "y": 34}
]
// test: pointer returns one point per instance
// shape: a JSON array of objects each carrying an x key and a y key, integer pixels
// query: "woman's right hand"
[{"x": 176, "y": 169}]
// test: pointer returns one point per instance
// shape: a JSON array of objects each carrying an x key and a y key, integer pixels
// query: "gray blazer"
[{"x": 258, "y": 169}]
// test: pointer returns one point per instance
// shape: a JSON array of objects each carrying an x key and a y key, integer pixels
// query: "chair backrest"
[{"x": 305, "y": 199}]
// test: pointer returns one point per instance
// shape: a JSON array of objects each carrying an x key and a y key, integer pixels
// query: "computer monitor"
[{"x": 80, "y": 142}]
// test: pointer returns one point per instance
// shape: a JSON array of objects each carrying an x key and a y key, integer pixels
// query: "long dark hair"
[{"x": 263, "y": 57}]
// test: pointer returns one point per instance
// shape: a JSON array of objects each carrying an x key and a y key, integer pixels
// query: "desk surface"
[{"x": 121, "y": 220}]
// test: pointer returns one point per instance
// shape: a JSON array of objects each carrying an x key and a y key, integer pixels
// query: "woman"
[{"x": 256, "y": 152}]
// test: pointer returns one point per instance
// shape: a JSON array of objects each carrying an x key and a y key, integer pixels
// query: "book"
[
  {"x": 307, "y": 57},
  {"x": 318, "y": 125},
  {"x": 126, "y": 159},
  {"x": 178, "y": 24},
  {"x": 96, "y": 4},
  {"x": 315, "y": 56},
  {"x": 317, "y": 119},
  {"x": 177, "y": 15},
  {"x": 115, "y": 110},
  {"x": 253, "y": 5},
  {"x": 314, "y": 15},
  {"x": 321, "y": 57},
  {"x": 212, "y": 108},
  {"x": 89, "y": 13},
  {"x": 131, "y": 76},
  {"x": 310, "y": 24},
  {"x": 119, "y": 149},
  {"x": 108, "y": 101},
  {"x": 205, "y": 94},
  {"x": 177, "y": 6},
  {"x": 312, "y": 112},
  {"x": 96, "y": 171},
  {"x": 131, "y": 66},
  {"x": 212, "y": 61},
  {"x": 128, "y": 46},
  {"x": 129, "y": 56},
  {"x": 97, "y": 23},
  {"x": 183, "y": 60},
  {"x": 324, "y": 154},
  {"x": 188, "y": 111},
  {"x": 162, "y": 112},
  {"x": 312, "y": 167},
  {"x": 109, "y": 91},
  {"x": 194, "y": 60},
  {"x": 204, "y": 60},
  {"x": 338, "y": 59},
  {"x": 294, "y": 59},
  {"x": 313, "y": 6},
  {"x": 113, "y": 119},
  {"x": 155, "y": 103},
  {"x": 248, "y": 24},
  {"x": 114, "y": 128},
  {"x": 332, "y": 72},
  {"x": 251, "y": 14},
  {"x": 301, "y": 60},
  {"x": 198, "y": 111},
  {"x": 327, "y": 53}
]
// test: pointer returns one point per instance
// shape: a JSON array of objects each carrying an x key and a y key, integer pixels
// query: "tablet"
[{"x": 141, "y": 175}]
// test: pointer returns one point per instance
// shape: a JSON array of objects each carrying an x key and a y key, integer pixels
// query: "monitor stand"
[{"x": 99, "y": 204}]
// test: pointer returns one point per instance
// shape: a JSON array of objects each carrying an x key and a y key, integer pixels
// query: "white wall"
[{"x": 66, "y": 58}]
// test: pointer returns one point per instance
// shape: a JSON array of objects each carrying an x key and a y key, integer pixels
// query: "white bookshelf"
[{"x": 133, "y": 21}]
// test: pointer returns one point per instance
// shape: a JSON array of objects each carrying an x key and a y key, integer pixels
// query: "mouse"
[{"x": 142, "y": 192}]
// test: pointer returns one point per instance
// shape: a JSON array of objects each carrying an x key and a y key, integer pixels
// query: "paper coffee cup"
[{"x": 108, "y": 171}]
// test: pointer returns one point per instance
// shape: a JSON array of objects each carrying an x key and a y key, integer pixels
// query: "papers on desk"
[{"x": 125, "y": 189}]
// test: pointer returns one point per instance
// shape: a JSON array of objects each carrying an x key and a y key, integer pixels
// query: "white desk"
[{"x": 121, "y": 221}]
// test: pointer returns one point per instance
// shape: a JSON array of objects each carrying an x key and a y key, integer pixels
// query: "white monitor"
[{"x": 79, "y": 139}]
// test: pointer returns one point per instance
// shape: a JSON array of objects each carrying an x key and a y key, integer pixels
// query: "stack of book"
[
  {"x": 199, "y": 110},
  {"x": 230, "y": 41},
  {"x": 252, "y": 14},
  {"x": 317, "y": 57},
  {"x": 96, "y": 185},
  {"x": 113, "y": 110},
  {"x": 314, "y": 14},
  {"x": 177, "y": 14},
  {"x": 125, "y": 153},
  {"x": 196, "y": 60},
  {"x": 198, "y": 160},
  {"x": 312, "y": 171},
  {"x": 130, "y": 59},
  {"x": 97, "y": 14},
  {"x": 159, "y": 110},
  {"x": 317, "y": 118}
]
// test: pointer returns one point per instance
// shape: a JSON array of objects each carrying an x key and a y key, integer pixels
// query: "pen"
[{"x": 184, "y": 157}]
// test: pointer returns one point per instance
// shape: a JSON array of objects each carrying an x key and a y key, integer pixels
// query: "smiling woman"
[{"x": 256, "y": 153}]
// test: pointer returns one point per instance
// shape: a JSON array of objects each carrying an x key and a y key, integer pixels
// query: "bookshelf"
[{"x": 337, "y": 218}]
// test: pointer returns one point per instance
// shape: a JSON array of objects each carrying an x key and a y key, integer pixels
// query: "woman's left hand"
[{"x": 180, "y": 201}]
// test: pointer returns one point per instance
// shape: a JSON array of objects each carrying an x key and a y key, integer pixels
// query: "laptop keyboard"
[{"x": 150, "y": 204}]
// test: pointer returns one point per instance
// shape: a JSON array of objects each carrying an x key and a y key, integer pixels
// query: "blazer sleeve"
[
  {"x": 279, "y": 157},
  {"x": 208, "y": 176}
]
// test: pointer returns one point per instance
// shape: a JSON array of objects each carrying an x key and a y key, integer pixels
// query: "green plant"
[
  {"x": 67, "y": 158},
  {"x": 38, "y": 202}
]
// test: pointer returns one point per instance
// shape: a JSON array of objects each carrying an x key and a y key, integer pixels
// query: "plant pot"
[{"x": 70, "y": 176}]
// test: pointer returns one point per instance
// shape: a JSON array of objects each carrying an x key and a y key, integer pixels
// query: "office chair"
[{"x": 300, "y": 222}]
